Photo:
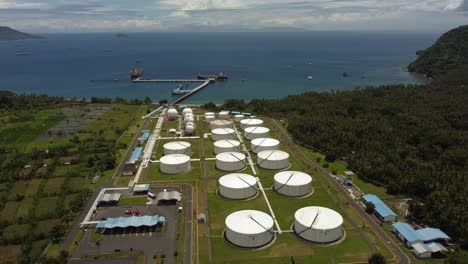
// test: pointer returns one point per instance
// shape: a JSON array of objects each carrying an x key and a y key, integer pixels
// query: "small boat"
[{"x": 309, "y": 77}]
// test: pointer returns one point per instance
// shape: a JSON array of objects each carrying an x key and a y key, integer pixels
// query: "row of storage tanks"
[
  {"x": 254, "y": 229},
  {"x": 188, "y": 119}
]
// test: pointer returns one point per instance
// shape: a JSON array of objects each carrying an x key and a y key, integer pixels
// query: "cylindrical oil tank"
[
  {"x": 175, "y": 164},
  {"x": 273, "y": 159},
  {"x": 223, "y": 134},
  {"x": 318, "y": 224},
  {"x": 230, "y": 161},
  {"x": 293, "y": 183},
  {"x": 177, "y": 147},
  {"x": 238, "y": 118},
  {"x": 226, "y": 145},
  {"x": 238, "y": 186},
  {"x": 250, "y": 122},
  {"x": 261, "y": 144},
  {"x": 252, "y": 133},
  {"x": 209, "y": 118},
  {"x": 221, "y": 124},
  {"x": 224, "y": 115},
  {"x": 249, "y": 228}
]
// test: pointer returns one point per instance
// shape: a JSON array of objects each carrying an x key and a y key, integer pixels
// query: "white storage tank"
[
  {"x": 223, "y": 133},
  {"x": 238, "y": 118},
  {"x": 273, "y": 159},
  {"x": 238, "y": 186},
  {"x": 252, "y": 133},
  {"x": 209, "y": 118},
  {"x": 250, "y": 122},
  {"x": 175, "y": 164},
  {"x": 226, "y": 145},
  {"x": 177, "y": 147},
  {"x": 318, "y": 224},
  {"x": 261, "y": 144},
  {"x": 293, "y": 183},
  {"x": 189, "y": 119},
  {"x": 187, "y": 110},
  {"x": 231, "y": 161},
  {"x": 220, "y": 124},
  {"x": 190, "y": 129},
  {"x": 224, "y": 115},
  {"x": 209, "y": 113},
  {"x": 171, "y": 114},
  {"x": 249, "y": 229}
]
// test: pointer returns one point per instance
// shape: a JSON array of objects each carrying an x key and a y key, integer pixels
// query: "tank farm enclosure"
[{"x": 301, "y": 205}]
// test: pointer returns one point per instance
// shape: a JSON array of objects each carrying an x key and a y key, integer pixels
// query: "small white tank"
[
  {"x": 224, "y": 115},
  {"x": 261, "y": 144},
  {"x": 171, "y": 114},
  {"x": 187, "y": 110},
  {"x": 209, "y": 118},
  {"x": 188, "y": 119},
  {"x": 227, "y": 145},
  {"x": 252, "y": 133},
  {"x": 190, "y": 129},
  {"x": 238, "y": 118}
]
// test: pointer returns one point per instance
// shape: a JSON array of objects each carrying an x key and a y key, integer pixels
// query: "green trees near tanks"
[{"x": 377, "y": 258}]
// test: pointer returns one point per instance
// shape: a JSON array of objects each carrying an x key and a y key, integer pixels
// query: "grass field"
[
  {"x": 139, "y": 200},
  {"x": 155, "y": 175},
  {"x": 33, "y": 187},
  {"x": 25, "y": 208},
  {"x": 53, "y": 185},
  {"x": 46, "y": 207},
  {"x": 9, "y": 210},
  {"x": 19, "y": 188}
]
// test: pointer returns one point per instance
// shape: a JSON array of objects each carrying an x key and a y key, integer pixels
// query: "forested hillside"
[
  {"x": 450, "y": 52},
  {"x": 412, "y": 139}
]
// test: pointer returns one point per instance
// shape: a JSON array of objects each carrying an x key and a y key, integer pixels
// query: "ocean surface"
[{"x": 259, "y": 65}]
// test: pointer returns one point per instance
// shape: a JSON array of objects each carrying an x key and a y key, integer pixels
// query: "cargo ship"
[
  {"x": 136, "y": 73},
  {"x": 219, "y": 77}
]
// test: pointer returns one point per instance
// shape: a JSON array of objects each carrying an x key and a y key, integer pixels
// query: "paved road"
[{"x": 402, "y": 257}]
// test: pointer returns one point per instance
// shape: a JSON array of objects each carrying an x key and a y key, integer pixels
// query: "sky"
[{"x": 43, "y": 16}]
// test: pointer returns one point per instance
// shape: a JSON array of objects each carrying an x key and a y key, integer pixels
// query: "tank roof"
[
  {"x": 249, "y": 222},
  {"x": 237, "y": 180},
  {"x": 317, "y": 217}
]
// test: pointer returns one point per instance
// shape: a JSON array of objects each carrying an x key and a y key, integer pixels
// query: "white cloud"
[{"x": 6, "y": 4}]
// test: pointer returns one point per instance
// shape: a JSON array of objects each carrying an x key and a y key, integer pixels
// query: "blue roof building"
[
  {"x": 136, "y": 155},
  {"x": 133, "y": 221},
  {"x": 410, "y": 236},
  {"x": 381, "y": 209}
]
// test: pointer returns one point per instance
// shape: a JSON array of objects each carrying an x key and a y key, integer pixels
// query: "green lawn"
[
  {"x": 138, "y": 200},
  {"x": 154, "y": 174}
]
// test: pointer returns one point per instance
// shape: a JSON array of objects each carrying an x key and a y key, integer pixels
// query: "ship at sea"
[
  {"x": 219, "y": 77},
  {"x": 136, "y": 73}
]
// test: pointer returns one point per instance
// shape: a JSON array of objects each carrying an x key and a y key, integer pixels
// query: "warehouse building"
[
  {"x": 141, "y": 188},
  {"x": 168, "y": 198},
  {"x": 381, "y": 210},
  {"x": 425, "y": 242},
  {"x": 131, "y": 165},
  {"x": 109, "y": 199}
]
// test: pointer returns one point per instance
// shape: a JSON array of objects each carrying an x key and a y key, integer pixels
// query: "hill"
[
  {"x": 449, "y": 53},
  {"x": 412, "y": 139},
  {"x": 7, "y": 33}
]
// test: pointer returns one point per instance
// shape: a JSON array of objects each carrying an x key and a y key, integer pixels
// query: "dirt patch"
[
  {"x": 283, "y": 249},
  {"x": 10, "y": 253},
  {"x": 9, "y": 210}
]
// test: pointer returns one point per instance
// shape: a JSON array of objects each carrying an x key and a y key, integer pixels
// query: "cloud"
[{"x": 221, "y": 15}]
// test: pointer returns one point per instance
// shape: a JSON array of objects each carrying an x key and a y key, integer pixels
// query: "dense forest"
[
  {"x": 413, "y": 139},
  {"x": 450, "y": 52}
]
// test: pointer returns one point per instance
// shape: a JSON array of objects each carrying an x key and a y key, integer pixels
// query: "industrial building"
[
  {"x": 293, "y": 183},
  {"x": 273, "y": 159},
  {"x": 318, "y": 224},
  {"x": 425, "y": 242},
  {"x": 177, "y": 147},
  {"x": 238, "y": 186},
  {"x": 130, "y": 166},
  {"x": 131, "y": 222},
  {"x": 249, "y": 229},
  {"x": 381, "y": 210},
  {"x": 145, "y": 133},
  {"x": 252, "y": 133},
  {"x": 168, "y": 198},
  {"x": 175, "y": 164},
  {"x": 141, "y": 188},
  {"x": 261, "y": 144},
  {"x": 231, "y": 161},
  {"x": 109, "y": 199}
]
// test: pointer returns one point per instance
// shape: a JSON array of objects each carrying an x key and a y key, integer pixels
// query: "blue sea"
[{"x": 259, "y": 65}]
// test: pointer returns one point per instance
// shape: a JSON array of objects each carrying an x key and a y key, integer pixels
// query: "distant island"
[{"x": 7, "y": 33}]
